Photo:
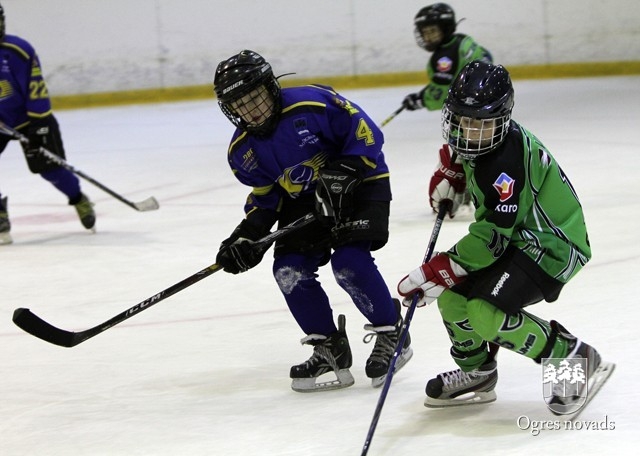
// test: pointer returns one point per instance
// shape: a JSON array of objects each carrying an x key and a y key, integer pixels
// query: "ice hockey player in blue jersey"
[
  {"x": 301, "y": 150},
  {"x": 25, "y": 106}
]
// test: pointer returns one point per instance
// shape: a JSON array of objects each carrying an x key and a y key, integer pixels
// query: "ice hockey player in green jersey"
[
  {"x": 527, "y": 240},
  {"x": 435, "y": 32}
]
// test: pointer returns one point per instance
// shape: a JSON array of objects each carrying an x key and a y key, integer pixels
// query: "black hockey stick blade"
[{"x": 37, "y": 327}]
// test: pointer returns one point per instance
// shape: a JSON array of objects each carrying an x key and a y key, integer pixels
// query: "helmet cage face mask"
[
  {"x": 471, "y": 137},
  {"x": 253, "y": 111}
]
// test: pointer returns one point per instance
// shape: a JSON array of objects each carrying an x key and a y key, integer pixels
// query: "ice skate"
[
  {"x": 328, "y": 367},
  {"x": 5, "y": 224},
  {"x": 387, "y": 338},
  {"x": 572, "y": 401},
  {"x": 84, "y": 208},
  {"x": 457, "y": 387}
]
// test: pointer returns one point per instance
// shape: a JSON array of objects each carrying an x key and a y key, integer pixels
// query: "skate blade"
[
  {"x": 403, "y": 359},
  {"x": 326, "y": 382},
  {"x": 475, "y": 398},
  {"x": 5, "y": 239},
  {"x": 596, "y": 381}
]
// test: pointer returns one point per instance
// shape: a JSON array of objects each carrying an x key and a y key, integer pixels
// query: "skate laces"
[
  {"x": 455, "y": 378},
  {"x": 386, "y": 339},
  {"x": 458, "y": 377},
  {"x": 321, "y": 352}
]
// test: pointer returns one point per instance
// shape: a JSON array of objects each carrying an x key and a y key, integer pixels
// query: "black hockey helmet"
[
  {"x": 439, "y": 14},
  {"x": 483, "y": 93},
  {"x": 2, "y": 26},
  {"x": 240, "y": 75}
]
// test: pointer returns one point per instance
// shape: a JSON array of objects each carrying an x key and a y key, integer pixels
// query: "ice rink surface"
[{"x": 205, "y": 372}]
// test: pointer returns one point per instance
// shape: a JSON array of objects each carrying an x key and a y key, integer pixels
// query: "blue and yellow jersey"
[
  {"x": 317, "y": 126},
  {"x": 23, "y": 91}
]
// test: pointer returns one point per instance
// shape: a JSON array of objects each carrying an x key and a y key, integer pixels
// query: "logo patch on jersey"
[
  {"x": 444, "y": 65},
  {"x": 346, "y": 105},
  {"x": 504, "y": 186},
  {"x": 300, "y": 125},
  {"x": 249, "y": 161},
  {"x": 5, "y": 89}
]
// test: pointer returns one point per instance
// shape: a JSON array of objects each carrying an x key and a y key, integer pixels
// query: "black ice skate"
[
  {"x": 84, "y": 208},
  {"x": 572, "y": 402},
  {"x": 5, "y": 224},
  {"x": 387, "y": 338},
  {"x": 331, "y": 356},
  {"x": 463, "y": 388}
]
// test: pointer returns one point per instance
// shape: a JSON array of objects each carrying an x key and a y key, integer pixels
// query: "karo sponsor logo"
[
  {"x": 507, "y": 208},
  {"x": 504, "y": 186}
]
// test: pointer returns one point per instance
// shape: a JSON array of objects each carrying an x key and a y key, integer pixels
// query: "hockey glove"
[
  {"x": 447, "y": 183},
  {"x": 430, "y": 280},
  {"x": 413, "y": 101},
  {"x": 239, "y": 253},
  {"x": 43, "y": 132},
  {"x": 334, "y": 191}
]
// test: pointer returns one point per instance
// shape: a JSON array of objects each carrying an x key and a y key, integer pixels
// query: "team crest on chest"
[
  {"x": 504, "y": 185},
  {"x": 444, "y": 65}
]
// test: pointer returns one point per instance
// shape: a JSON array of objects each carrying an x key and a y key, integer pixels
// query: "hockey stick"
[
  {"x": 392, "y": 116},
  {"x": 149, "y": 204},
  {"x": 36, "y": 326},
  {"x": 403, "y": 335}
]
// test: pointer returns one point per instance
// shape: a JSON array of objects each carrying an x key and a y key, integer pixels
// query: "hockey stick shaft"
[
  {"x": 36, "y": 326},
  {"x": 403, "y": 335},
  {"x": 146, "y": 205},
  {"x": 392, "y": 116}
]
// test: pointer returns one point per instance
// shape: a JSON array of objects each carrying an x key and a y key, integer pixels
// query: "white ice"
[{"x": 205, "y": 372}]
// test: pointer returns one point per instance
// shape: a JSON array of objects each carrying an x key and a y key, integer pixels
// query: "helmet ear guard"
[{"x": 477, "y": 111}]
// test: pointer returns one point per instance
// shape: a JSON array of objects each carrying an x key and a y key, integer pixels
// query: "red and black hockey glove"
[
  {"x": 430, "y": 280},
  {"x": 447, "y": 183}
]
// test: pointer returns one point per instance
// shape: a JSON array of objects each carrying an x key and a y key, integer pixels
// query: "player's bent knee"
[{"x": 484, "y": 318}]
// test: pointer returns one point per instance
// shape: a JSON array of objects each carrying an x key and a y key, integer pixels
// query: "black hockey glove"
[
  {"x": 239, "y": 253},
  {"x": 42, "y": 133},
  {"x": 45, "y": 133},
  {"x": 334, "y": 191},
  {"x": 413, "y": 101}
]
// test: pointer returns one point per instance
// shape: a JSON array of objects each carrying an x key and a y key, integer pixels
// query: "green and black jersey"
[
  {"x": 444, "y": 65},
  {"x": 523, "y": 199}
]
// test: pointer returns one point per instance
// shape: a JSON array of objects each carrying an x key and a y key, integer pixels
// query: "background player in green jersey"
[
  {"x": 527, "y": 241},
  {"x": 435, "y": 32}
]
